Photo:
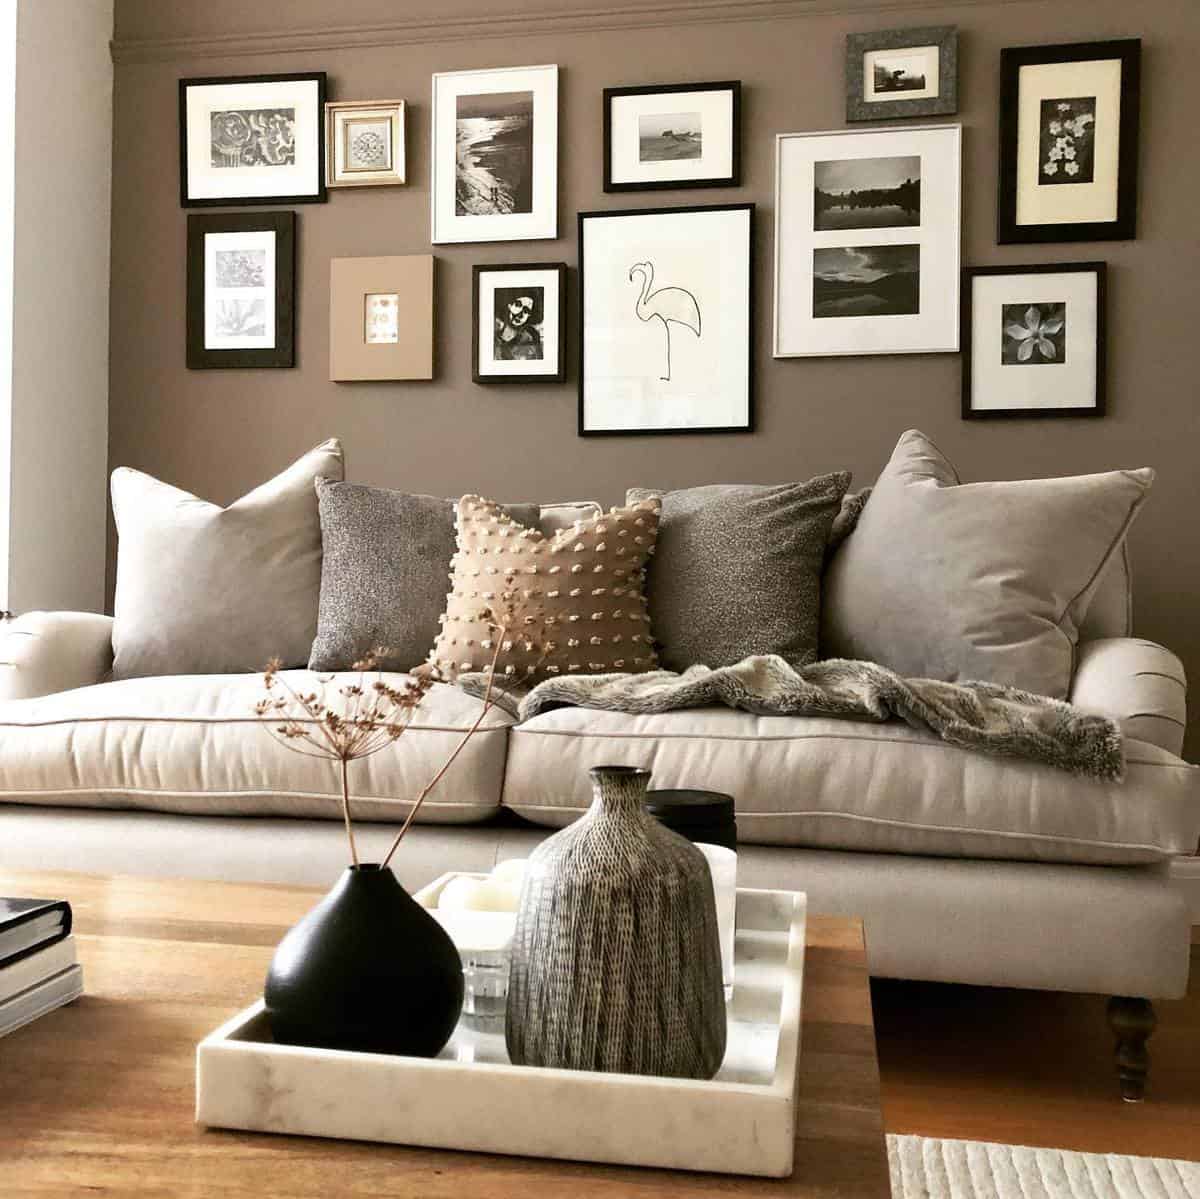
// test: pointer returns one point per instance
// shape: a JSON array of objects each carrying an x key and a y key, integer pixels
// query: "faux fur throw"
[{"x": 979, "y": 716}]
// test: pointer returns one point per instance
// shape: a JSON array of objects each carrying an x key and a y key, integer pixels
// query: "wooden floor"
[{"x": 1028, "y": 1068}]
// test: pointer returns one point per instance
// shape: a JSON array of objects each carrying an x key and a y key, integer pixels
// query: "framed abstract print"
[
  {"x": 666, "y": 320},
  {"x": 1033, "y": 340},
  {"x": 1069, "y": 142},
  {"x": 902, "y": 73},
  {"x": 364, "y": 143},
  {"x": 518, "y": 323},
  {"x": 381, "y": 318},
  {"x": 252, "y": 139},
  {"x": 495, "y": 155},
  {"x": 867, "y": 225}
]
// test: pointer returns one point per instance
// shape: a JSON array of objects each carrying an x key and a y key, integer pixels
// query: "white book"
[
  {"x": 41, "y": 998},
  {"x": 37, "y": 967}
]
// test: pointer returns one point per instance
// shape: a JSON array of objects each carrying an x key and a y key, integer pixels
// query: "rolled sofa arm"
[
  {"x": 1138, "y": 683},
  {"x": 44, "y": 652}
]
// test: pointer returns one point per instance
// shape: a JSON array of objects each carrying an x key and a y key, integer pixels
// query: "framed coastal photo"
[
  {"x": 364, "y": 143},
  {"x": 495, "y": 155},
  {"x": 1033, "y": 340},
  {"x": 241, "y": 291},
  {"x": 672, "y": 135},
  {"x": 1069, "y": 142},
  {"x": 666, "y": 320},
  {"x": 252, "y": 139},
  {"x": 902, "y": 73},
  {"x": 867, "y": 228},
  {"x": 518, "y": 323}
]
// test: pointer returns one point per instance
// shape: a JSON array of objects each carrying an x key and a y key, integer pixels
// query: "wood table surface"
[{"x": 98, "y": 1097}]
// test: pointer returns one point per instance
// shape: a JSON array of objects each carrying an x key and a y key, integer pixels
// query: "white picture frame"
[{"x": 364, "y": 143}]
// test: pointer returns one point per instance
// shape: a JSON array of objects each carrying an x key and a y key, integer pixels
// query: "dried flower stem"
[{"x": 346, "y": 810}]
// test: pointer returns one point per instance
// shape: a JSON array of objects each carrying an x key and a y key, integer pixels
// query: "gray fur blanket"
[{"x": 979, "y": 716}]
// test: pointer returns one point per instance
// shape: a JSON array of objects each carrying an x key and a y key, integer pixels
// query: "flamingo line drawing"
[{"x": 670, "y": 305}]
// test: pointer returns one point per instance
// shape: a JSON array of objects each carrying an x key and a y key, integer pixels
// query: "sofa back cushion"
[{"x": 1110, "y": 614}]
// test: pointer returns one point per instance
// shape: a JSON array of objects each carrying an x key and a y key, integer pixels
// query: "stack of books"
[{"x": 38, "y": 969}]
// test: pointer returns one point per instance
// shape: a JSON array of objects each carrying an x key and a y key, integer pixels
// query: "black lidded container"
[{"x": 707, "y": 817}]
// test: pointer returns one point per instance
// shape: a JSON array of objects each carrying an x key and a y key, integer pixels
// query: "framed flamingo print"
[{"x": 666, "y": 314}]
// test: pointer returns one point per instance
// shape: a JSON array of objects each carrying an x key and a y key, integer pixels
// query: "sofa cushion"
[
  {"x": 191, "y": 743},
  {"x": 837, "y": 784}
]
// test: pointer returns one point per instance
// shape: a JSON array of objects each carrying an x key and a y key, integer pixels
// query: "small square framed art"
[
  {"x": 902, "y": 73},
  {"x": 518, "y": 323},
  {"x": 364, "y": 143}
]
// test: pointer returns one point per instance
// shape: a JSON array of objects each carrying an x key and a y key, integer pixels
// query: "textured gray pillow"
[{"x": 738, "y": 570}]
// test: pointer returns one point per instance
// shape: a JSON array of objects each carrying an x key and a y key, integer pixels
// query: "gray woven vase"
[{"x": 616, "y": 964}]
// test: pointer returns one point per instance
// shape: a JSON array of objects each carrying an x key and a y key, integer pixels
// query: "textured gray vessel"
[{"x": 616, "y": 964}]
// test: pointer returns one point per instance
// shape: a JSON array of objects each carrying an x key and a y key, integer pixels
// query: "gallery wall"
[{"x": 218, "y": 433}]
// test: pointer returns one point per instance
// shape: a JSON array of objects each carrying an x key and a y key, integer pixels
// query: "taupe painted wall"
[{"x": 219, "y": 433}]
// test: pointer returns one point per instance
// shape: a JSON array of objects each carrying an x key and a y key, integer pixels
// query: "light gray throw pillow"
[{"x": 208, "y": 590}]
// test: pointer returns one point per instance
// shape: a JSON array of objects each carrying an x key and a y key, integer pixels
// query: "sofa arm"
[
  {"x": 44, "y": 652},
  {"x": 1139, "y": 684}
]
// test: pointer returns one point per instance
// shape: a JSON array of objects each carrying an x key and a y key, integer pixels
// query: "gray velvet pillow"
[{"x": 738, "y": 570}]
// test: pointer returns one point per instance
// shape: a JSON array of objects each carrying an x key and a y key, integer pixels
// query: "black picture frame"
[
  {"x": 477, "y": 273},
  {"x": 1124, "y": 226},
  {"x": 283, "y": 353},
  {"x": 320, "y": 196},
  {"x": 733, "y": 179},
  {"x": 969, "y": 274},
  {"x": 858, "y": 45}
]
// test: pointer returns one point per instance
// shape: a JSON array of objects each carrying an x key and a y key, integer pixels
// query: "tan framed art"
[
  {"x": 364, "y": 143},
  {"x": 381, "y": 318}
]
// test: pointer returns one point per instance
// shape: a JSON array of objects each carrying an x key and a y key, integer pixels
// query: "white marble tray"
[{"x": 471, "y": 1096}]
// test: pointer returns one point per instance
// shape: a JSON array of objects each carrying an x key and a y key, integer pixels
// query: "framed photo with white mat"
[
  {"x": 902, "y": 73},
  {"x": 519, "y": 323},
  {"x": 364, "y": 143}
]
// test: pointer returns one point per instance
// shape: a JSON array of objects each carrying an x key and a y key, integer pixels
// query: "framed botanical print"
[
  {"x": 1033, "y": 340},
  {"x": 867, "y": 226},
  {"x": 666, "y": 319},
  {"x": 364, "y": 143},
  {"x": 241, "y": 290},
  {"x": 381, "y": 318},
  {"x": 495, "y": 155},
  {"x": 518, "y": 323},
  {"x": 902, "y": 73},
  {"x": 672, "y": 135},
  {"x": 1069, "y": 142},
  {"x": 252, "y": 139}
]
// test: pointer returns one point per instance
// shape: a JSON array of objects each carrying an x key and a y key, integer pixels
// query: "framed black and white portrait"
[
  {"x": 495, "y": 155},
  {"x": 1069, "y": 142},
  {"x": 902, "y": 73},
  {"x": 519, "y": 323},
  {"x": 673, "y": 135},
  {"x": 666, "y": 320},
  {"x": 241, "y": 290},
  {"x": 364, "y": 143},
  {"x": 252, "y": 139},
  {"x": 1033, "y": 340}
]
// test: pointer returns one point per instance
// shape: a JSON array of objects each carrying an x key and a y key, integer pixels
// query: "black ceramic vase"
[{"x": 367, "y": 969}]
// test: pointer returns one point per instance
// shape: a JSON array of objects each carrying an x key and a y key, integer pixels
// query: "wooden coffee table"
[{"x": 99, "y": 1096}]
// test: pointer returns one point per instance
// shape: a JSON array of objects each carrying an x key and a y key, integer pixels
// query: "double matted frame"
[
  {"x": 364, "y": 143},
  {"x": 902, "y": 73},
  {"x": 519, "y": 323}
]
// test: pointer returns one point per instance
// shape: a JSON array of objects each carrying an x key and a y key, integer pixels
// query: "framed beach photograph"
[
  {"x": 672, "y": 135},
  {"x": 252, "y": 139},
  {"x": 364, "y": 143},
  {"x": 666, "y": 320},
  {"x": 241, "y": 290},
  {"x": 1069, "y": 142},
  {"x": 1033, "y": 340},
  {"x": 519, "y": 323},
  {"x": 902, "y": 73},
  {"x": 867, "y": 226},
  {"x": 495, "y": 155}
]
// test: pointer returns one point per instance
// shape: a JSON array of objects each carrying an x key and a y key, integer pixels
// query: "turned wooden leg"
[{"x": 1132, "y": 1022}]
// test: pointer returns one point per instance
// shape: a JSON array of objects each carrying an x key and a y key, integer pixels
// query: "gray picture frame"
[{"x": 858, "y": 45}]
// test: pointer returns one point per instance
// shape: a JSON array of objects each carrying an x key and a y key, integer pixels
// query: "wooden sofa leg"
[{"x": 1132, "y": 1021}]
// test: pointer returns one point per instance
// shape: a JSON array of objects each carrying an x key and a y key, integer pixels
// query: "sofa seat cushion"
[
  {"x": 191, "y": 743},
  {"x": 838, "y": 784}
]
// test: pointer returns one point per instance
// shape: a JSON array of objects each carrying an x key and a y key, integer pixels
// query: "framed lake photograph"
[
  {"x": 666, "y": 319},
  {"x": 252, "y": 139},
  {"x": 672, "y": 135},
  {"x": 495, "y": 155},
  {"x": 902, "y": 73},
  {"x": 519, "y": 323},
  {"x": 241, "y": 290},
  {"x": 364, "y": 143},
  {"x": 867, "y": 225},
  {"x": 1069, "y": 142},
  {"x": 1033, "y": 340}
]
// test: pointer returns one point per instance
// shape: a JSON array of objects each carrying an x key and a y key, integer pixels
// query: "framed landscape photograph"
[
  {"x": 519, "y": 323},
  {"x": 1033, "y": 340},
  {"x": 867, "y": 225},
  {"x": 902, "y": 73},
  {"x": 364, "y": 143},
  {"x": 666, "y": 319},
  {"x": 252, "y": 139},
  {"x": 241, "y": 290},
  {"x": 1069, "y": 142},
  {"x": 672, "y": 135},
  {"x": 495, "y": 155}
]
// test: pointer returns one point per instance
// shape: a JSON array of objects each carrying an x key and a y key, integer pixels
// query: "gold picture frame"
[
  {"x": 381, "y": 318},
  {"x": 364, "y": 143}
]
